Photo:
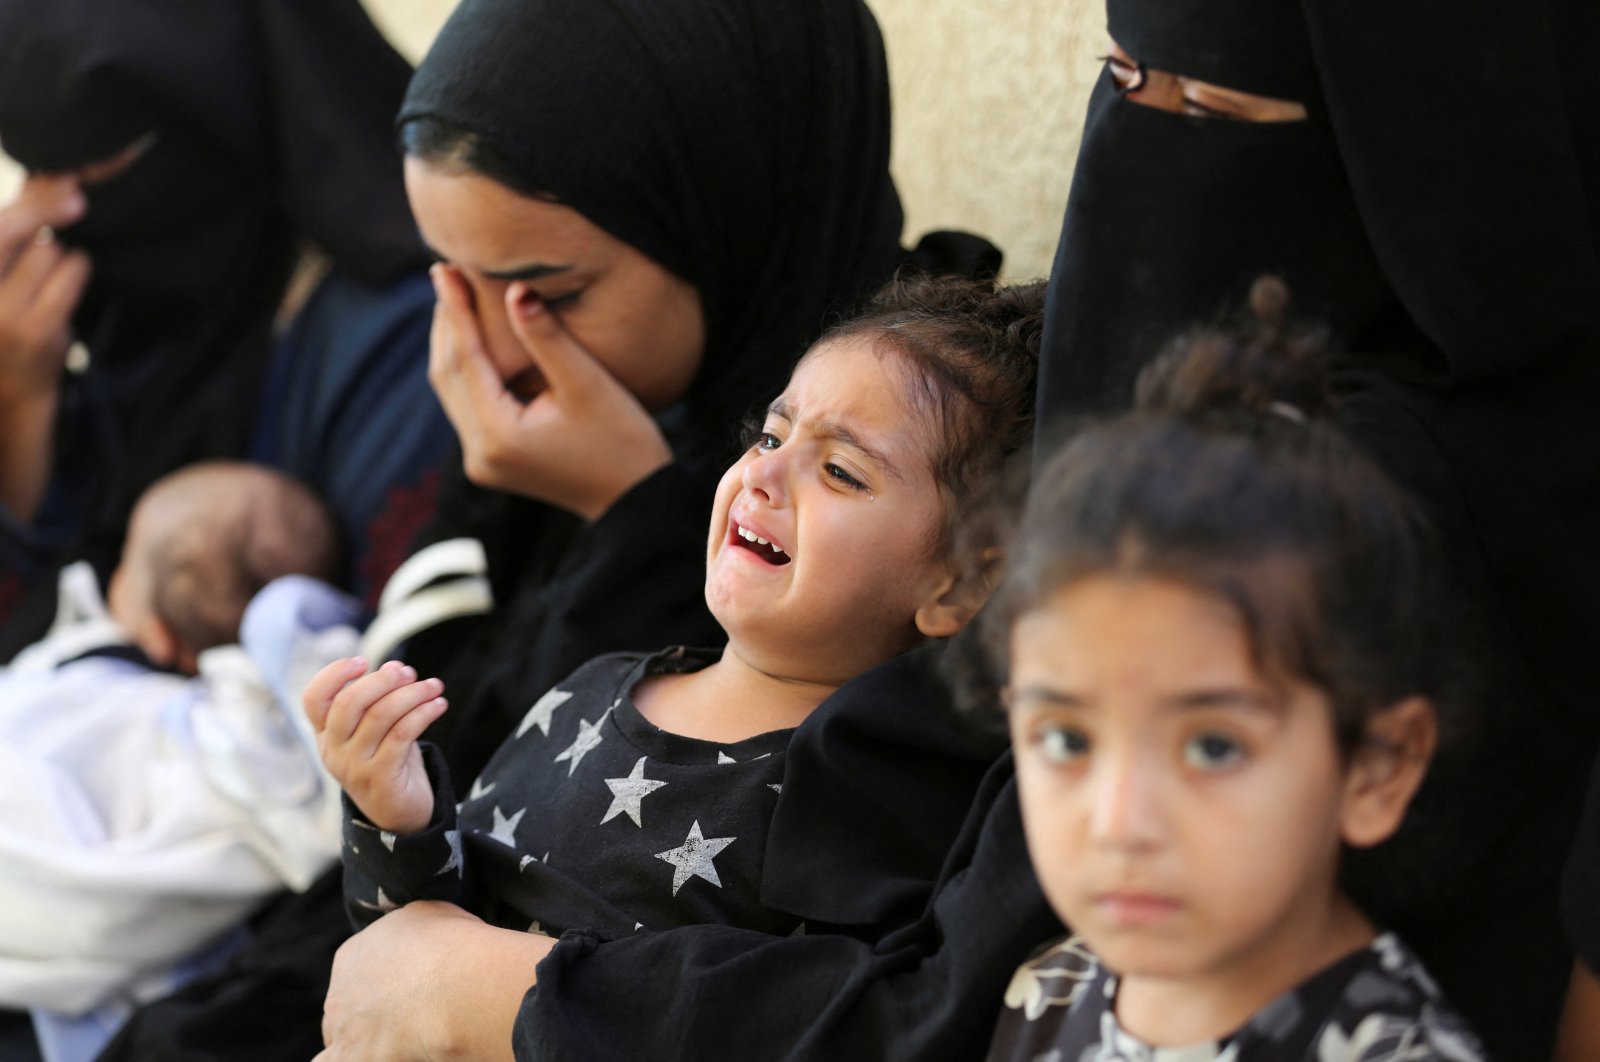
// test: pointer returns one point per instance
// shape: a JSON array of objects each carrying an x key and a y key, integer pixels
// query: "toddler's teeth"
[{"x": 761, "y": 540}]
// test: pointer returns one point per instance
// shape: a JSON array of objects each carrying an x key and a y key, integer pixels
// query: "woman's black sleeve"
[{"x": 930, "y": 991}]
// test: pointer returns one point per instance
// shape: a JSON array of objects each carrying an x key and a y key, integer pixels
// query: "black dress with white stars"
[{"x": 589, "y": 817}]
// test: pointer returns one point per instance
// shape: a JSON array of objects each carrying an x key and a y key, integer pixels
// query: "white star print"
[
  {"x": 627, "y": 793},
  {"x": 723, "y": 757},
  {"x": 589, "y": 738},
  {"x": 453, "y": 839},
  {"x": 479, "y": 790},
  {"x": 523, "y": 865},
  {"x": 384, "y": 904},
  {"x": 504, "y": 828},
  {"x": 776, "y": 787},
  {"x": 387, "y": 838},
  {"x": 694, "y": 858},
  {"x": 542, "y": 711}
]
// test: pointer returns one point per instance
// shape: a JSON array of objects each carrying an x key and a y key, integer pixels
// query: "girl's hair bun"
[{"x": 1265, "y": 365}]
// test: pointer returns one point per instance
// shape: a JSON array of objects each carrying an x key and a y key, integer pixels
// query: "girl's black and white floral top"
[{"x": 1374, "y": 1005}]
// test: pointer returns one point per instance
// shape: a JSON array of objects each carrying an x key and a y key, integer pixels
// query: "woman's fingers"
[
  {"x": 58, "y": 293},
  {"x": 44, "y": 202},
  {"x": 566, "y": 365},
  {"x": 459, "y": 369}
]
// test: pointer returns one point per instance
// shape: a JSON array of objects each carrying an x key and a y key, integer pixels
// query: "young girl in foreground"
[
  {"x": 1222, "y": 631},
  {"x": 637, "y": 794}
]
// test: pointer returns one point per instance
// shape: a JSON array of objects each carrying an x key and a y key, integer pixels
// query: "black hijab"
[
  {"x": 1440, "y": 207},
  {"x": 743, "y": 145},
  {"x": 268, "y": 124}
]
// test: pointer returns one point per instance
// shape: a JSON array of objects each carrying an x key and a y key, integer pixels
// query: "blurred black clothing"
[{"x": 266, "y": 125}]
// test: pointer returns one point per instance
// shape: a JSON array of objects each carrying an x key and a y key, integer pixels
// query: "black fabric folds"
[
  {"x": 1440, "y": 208},
  {"x": 280, "y": 105},
  {"x": 268, "y": 125}
]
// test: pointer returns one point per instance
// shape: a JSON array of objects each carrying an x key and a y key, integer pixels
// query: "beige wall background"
[{"x": 989, "y": 95}]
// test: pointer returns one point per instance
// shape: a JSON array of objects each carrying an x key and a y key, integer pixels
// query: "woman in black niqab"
[
  {"x": 261, "y": 125},
  {"x": 1440, "y": 209}
]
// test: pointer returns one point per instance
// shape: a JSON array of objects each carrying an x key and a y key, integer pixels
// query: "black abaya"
[{"x": 1440, "y": 208}]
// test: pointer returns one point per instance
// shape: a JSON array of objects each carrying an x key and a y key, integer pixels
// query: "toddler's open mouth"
[{"x": 768, "y": 551}]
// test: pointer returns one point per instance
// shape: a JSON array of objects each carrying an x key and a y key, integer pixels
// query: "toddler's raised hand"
[{"x": 367, "y": 727}]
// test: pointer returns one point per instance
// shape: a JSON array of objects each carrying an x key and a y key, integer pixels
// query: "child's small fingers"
[
  {"x": 396, "y": 744},
  {"x": 317, "y": 697},
  {"x": 382, "y": 715},
  {"x": 351, "y": 704}
]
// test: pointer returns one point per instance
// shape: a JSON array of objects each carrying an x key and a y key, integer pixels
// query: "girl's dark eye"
[
  {"x": 844, "y": 477},
  {"x": 766, "y": 441},
  {"x": 1212, "y": 752},
  {"x": 1063, "y": 744}
]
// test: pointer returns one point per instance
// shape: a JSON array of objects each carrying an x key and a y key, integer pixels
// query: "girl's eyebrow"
[
  {"x": 827, "y": 428},
  {"x": 1046, "y": 694},
  {"x": 1199, "y": 700},
  {"x": 833, "y": 429}
]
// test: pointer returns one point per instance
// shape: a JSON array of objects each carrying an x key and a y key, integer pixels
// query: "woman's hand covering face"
[
  {"x": 579, "y": 443},
  {"x": 40, "y": 283}
]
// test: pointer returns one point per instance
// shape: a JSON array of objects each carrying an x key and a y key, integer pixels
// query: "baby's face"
[
  {"x": 822, "y": 546},
  {"x": 1183, "y": 813}
]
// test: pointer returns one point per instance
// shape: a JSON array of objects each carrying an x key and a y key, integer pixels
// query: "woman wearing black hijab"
[
  {"x": 1439, "y": 207},
  {"x": 645, "y": 210},
  {"x": 681, "y": 193},
  {"x": 199, "y": 146}
]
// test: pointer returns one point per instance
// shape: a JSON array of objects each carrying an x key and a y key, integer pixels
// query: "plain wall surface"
[{"x": 988, "y": 100}]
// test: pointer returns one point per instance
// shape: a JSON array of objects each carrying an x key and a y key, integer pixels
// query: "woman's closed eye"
[{"x": 563, "y": 302}]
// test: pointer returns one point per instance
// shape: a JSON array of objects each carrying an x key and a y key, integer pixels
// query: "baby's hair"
[
  {"x": 1228, "y": 477},
  {"x": 973, "y": 351},
  {"x": 226, "y": 529}
]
